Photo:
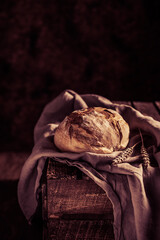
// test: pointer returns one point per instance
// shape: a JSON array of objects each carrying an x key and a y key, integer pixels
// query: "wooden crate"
[{"x": 73, "y": 206}]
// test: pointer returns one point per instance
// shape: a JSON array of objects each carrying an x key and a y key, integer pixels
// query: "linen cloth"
[{"x": 133, "y": 191}]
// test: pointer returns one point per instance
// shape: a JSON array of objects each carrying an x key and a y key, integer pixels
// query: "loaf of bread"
[{"x": 93, "y": 129}]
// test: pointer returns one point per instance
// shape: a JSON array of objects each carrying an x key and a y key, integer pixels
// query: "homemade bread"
[{"x": 93, "y": 129}]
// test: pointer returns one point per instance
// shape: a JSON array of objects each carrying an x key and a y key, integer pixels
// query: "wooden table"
[{"x": 73, "y": 206}]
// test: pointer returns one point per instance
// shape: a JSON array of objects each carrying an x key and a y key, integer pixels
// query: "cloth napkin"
[{"x": 133, "y": 190}]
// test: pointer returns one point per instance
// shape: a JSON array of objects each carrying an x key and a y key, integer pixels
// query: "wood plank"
[
  {"x": 77, "y": 199},
  {"x": 57, "y": 170},
  {"x": 147, "y": 108},
  {"x": 80, "y": 229}
]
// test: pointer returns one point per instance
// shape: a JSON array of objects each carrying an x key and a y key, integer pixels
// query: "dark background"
[{"x": 110, "y": 48}]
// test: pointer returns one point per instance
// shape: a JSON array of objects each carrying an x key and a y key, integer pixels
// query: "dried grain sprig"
[
  {"x": 144, "y": 153},
  {"x": 124, "y": 155}
]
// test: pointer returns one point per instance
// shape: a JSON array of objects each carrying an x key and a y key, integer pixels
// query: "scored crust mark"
[
  {"x": 116, "y": 127},
  {"x": 114, "y": 123},
  {"x": 85, "y": 132},
  {"x": 87, "y": 139},
  {"x": 75, "y": 118},
  {"x": 108, "y": 113},
  {"x": 71, "y": 131},
  {"x": 120, "y": 131}
]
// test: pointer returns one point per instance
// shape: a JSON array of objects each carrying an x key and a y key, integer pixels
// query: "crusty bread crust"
[{"x": 94, "y": 129}]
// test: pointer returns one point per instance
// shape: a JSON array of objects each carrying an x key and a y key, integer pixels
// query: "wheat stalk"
[
  {"x": 128, "y": 152},
  {"x": 124, "y": 155},
  {"x": 144, "y": 153}
]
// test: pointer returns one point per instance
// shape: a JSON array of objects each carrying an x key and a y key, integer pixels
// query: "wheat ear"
[
  {"x": 144, "y": 153},
  {"x": 124, "y": 155}
]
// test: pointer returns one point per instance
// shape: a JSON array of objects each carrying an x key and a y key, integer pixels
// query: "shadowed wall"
[{"x": 110, "y": 48}]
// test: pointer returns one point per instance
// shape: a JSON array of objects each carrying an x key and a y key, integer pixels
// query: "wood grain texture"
[
  {"x": 57, "y": 170},
  {"x": 77, "y": 199},
  {"x": 80, "y": 230}
]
